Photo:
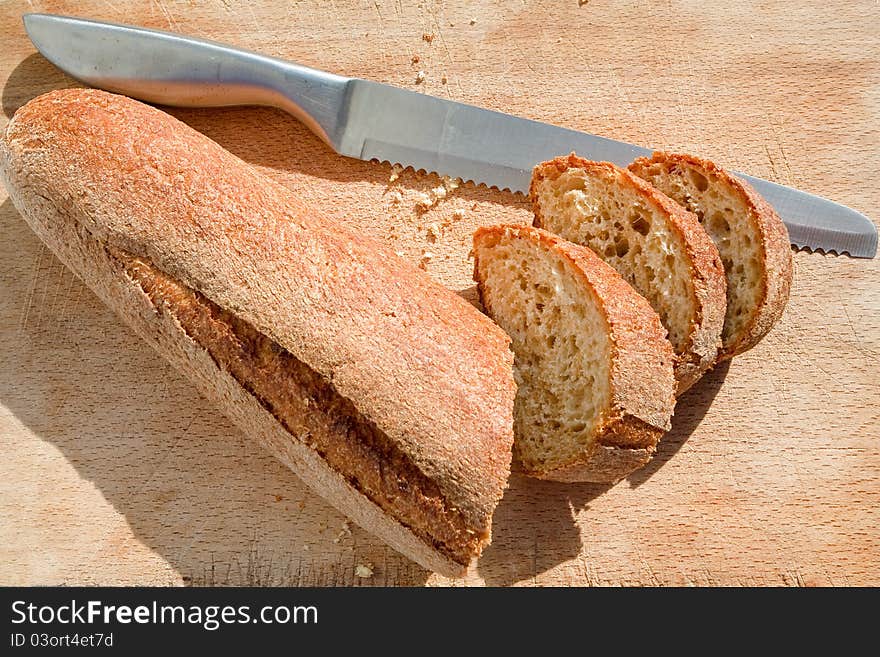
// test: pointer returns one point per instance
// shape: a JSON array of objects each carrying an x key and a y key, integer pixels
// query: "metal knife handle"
[{"x": 171, "y": 69}]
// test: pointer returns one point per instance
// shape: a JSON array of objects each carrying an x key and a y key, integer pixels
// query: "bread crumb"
[
  {"x": 437, "y": 194},
  {"x": 581, "y": 3},
  {"x": 396, "y": 170},
  {"x": 451, "y": 184},
  {"x": 420, "y": 77},
  {"x": 424, "y": 203},
  {"x": 433, "y": 232},
  {"x": 278, "y": 498},
  {"x": 415, "y": 59},
  {"x": 363, "y": 571},
  {"x": 428, "y": 37},
  {"x": 395, "y": 197},
  {"x": 458, "y": 215},
  {"x": 443, "y": 79},
  {"x": 427, "y": 256},
  {"x": 473, "y": 21},
  {"x": 400, "y": 254}
]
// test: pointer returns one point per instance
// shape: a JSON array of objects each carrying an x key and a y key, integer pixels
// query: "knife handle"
[{"x": 171, "y": 69}]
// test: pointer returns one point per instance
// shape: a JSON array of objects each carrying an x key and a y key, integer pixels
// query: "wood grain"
[{"x": 115, "y": 472}]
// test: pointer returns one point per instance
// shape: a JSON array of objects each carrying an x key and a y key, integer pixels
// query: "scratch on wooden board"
[
  {"x": 167, "y": 14},
  {"x": 869, "y": 354},
  {"x": 652, "y": 576},
  {"x": 793, "y": 577},
  {"x": 254, "y": 22},
  {"x": 777, "y": 128},
  {"x": 588, "y": 570},
  {"x": 696, "y": 99},
  {"x": 522, "y": 54},
  {"x": 381, "y": 28},
  {"x": 450, "y": 60},
  {"x": 793, "y": 342},
  {"x": 784, "y": 176},
  {"x": 782, "y": 152},
  {"x": 634, "y": 110},
  {"x": 45, "y": 284},
  {"x": 35, "y": 276},
  {"x": 167, "y": 453},
  {"x": 58, "y": 296},
  {"x": 780, "y": 391},
  {"x": 184, "y": 551},
  {"x": 535, "y": 561},
  {"x": 71, "y": 306}
]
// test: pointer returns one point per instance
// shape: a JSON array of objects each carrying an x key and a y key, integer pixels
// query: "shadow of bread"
[
  {"x": 535, "y": 529},
  {"x": 537, "y": 526},
  {"x": 192, "y": 489},
  {"x": 690, "y": 410},
  {"x": 471, "y": 295},
  {"x": 35, "y": 75}
]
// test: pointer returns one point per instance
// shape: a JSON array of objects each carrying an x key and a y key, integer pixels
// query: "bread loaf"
[
  {"x": 387, "y": 394},
  {"x": 657, "y": 246},
  {"x": 750, "y": 236},
  {"x": 594, "y": 371}
]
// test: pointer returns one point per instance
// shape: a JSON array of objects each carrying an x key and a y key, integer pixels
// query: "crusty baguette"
[
  {"x": 658, "y": 247},
  {"x": 750, "y": 236},
  {"x": 595, "y": 385},
  {"x": 389, "y": 395}
]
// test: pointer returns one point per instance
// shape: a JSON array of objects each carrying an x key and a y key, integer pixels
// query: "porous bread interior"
[
  {"x": 619, "y": 225},
  {"x": 561, "y": 346},
  {"x": 725, "y": 216}
]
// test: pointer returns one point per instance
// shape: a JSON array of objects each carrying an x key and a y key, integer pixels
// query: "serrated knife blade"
[{"x": 373, "y": 121}]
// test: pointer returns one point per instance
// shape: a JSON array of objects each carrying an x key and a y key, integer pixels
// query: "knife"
[{"x": 372, "y": 121}]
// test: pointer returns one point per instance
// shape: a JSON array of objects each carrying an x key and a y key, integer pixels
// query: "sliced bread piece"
[
  {"x": 750, "y": 236},
  {"x": 658, "y": 247},
  {"x": 594, "y": 372}
]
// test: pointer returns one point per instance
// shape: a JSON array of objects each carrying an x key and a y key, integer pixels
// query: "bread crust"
[
  {"x": 641, "y": 381},
  {"x": 92, "y": 172},
  {"x": 709, "y": 296},
  {"x": 776, "y": 257}
]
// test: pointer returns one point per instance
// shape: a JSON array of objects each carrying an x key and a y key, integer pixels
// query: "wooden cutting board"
[{"x": 115, "y": 472}]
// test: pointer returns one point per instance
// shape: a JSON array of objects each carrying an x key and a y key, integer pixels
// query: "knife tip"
[{"x": 32, "y": 20}]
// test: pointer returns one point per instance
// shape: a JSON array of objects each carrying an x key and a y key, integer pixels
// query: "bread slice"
[
  {"x": 386, "y": 393},
  {"x": 658, "y": 247},
  {"x": 594, "y": 372},
  {"x": 750, "y": 236}
]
